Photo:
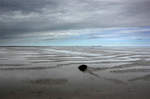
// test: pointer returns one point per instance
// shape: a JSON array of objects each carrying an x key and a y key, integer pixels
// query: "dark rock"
[{"x": 82, "y": 67}]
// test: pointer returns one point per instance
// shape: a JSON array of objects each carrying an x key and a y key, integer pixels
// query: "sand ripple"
[{"x": 113, "y": 60}]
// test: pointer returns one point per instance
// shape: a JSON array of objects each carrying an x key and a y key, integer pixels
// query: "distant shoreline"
[{"x": 76, "y": 46}]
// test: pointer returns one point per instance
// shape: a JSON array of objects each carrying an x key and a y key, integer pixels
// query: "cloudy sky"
[{"x": 75, "y": 22}]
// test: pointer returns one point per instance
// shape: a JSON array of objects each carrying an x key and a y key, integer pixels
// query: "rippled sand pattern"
[{"x": 52, "y": 73}]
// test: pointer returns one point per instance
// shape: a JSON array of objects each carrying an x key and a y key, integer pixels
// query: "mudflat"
[{"x": 53, "y": 73}]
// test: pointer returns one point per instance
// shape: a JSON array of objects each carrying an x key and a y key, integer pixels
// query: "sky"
[{"x": 74, "y": 22}]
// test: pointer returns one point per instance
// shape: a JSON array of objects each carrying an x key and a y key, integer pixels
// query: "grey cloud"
[
  {"x": 25, "y": 6},
  {"x": 68, "y": 14},
  {"x": 19, "y": 17},
  {"x": 141, "y": 7}
]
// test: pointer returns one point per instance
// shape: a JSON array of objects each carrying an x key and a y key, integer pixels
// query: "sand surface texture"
[{"x": 52, "y": 73}]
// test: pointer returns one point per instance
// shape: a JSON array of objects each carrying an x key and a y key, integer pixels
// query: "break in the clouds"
[{"x": 58, "y": 22}]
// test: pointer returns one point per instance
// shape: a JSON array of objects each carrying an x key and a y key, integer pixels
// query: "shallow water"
[{"x": 52, "y": 73}]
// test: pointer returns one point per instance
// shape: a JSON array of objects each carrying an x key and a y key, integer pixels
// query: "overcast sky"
[{"x": 75, "y": 22}]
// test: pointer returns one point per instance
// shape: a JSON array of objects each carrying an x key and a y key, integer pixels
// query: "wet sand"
[{"x": 52, "y": 73}]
